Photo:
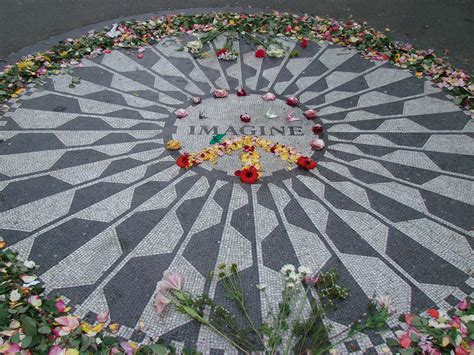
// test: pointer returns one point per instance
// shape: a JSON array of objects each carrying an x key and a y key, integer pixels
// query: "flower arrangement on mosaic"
[
  {"x": 251, "y": 170},
  {"x": 32, "y": 323},
  {"x": 259, "y": 29},
  {"x": 283, "y": 330}
]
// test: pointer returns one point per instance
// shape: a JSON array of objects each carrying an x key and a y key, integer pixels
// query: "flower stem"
[{"x": 298, "y": 315}]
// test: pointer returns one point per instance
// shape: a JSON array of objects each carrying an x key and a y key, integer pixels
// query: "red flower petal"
[
  {"x": 306, "y": 163},
  {"x": 241, "y": 92},
  {"x": 183, "y": 161},
  {"x": 249, "y": 175},
  {"x": 304, "y": 42},
  {"x": 245, "y": 118},
  {"x": 260, "y": 53},
  {"x": 317, "y": 129},
  {"x": 433, "y": 313}
]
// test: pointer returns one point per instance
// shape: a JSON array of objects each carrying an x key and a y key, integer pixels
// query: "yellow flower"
[
  {"x": 3, "y": 244},
  {"x": 91, "y": 331},
  {"x": 445, "y": 341},
  {"x": 72, "y": 352},
  {"x": 114, "y": 327},
  {"x": 173, "y": 145},
  {"x": 419, "y": 74},
  {"x": 26, "y": 64},
  {"x": 18, "y": 92}
]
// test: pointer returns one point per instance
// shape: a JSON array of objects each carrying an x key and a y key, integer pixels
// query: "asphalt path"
[{"x": 446, "y": 26}]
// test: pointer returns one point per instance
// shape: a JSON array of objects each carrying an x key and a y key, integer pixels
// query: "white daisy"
[{"x": 287, "y": 269}]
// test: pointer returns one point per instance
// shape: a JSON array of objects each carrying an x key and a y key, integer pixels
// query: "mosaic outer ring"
[{"x": 90, "y": 193}]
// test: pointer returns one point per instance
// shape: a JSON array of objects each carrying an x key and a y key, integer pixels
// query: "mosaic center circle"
[{"x": 268, "y": 119}]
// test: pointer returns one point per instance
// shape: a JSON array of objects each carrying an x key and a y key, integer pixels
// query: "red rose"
[
  {"x": 107, "y": 51},
  {"x": 260, "y": 53},
  {"x": 306, "y": 163},
  {"x": 288, "y": 29},
  {"x": 245, "y": 118},
  {"x": 221, "y": 51},
  {"x": 248, "y": 175},
  {"x": 241, "y": 92},
  {"x": 317, "y": 129},
  {"x": 304, "y": 42},
  {"x": 183, "y": 161},
  {"x": 405, "y": 342},
  {"x": 433, "y": 313},
  {"x": 292, "y": 101}
]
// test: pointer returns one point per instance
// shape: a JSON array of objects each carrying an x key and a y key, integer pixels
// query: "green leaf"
[
  {"x": 180, "y": 296},
  {"x": 44, "y": 329},
  {"x": 26, "y": 342},
  {"x": 158, "y": 349},
  {"x": 391, "y": 342},
  {"x": 109, "y": 340},
  {"x": 192, "y": 313},
  {"x": 29, "y": 325}
]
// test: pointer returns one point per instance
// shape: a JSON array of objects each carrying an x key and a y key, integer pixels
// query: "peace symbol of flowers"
[{"x": 251, "y": 170}]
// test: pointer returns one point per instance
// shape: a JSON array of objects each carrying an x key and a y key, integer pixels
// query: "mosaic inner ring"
[{"x": 89, "y": 192}]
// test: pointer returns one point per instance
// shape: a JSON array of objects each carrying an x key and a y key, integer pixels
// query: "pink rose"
[
  {"x": 408, "y": 318},
  {"x": 181, "y": 113},
  {"x": 463, "y": 305},
  {"x": 290, "y": 117},
  {"x": 196, "y": 100},
  {"x": 67, "y": 324},
  {"x": 269, "y": 96},
  {"x": 60, "y": 305},
  {"x": 405, "y": 341},
  {"x": 310, "y": 114},
  {"x": 317, "y": 144},
  {"x": 13, "y": 349},
  {"x": 220, "y": 93},
  {"x": 56, "y": 350},
  {"x": 102, "y": 317},
  {"x": 460, "y": 351}
]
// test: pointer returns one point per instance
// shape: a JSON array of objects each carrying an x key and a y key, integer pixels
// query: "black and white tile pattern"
[{"x": 89, "y": 192}]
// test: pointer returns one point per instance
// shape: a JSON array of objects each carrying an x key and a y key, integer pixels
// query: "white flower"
[
  {"x": 27, "y": 278},
  {"x": 290, "y": 285},
  {"x": 275, "y": 51},
  {"x": 29, "y": 264},
  {"x": 113, "y": 32},
  {"x": 384, "y": 302},
  {"x": 261, "y": 287},
  {"x": 14, "y": 296},
  {"x": 434, "y": 324},
  {"x": 293, "y": 276},
  {"x": 194, "y": 46},
  {"x": 287, "y": 269},
  {"x": 304, "y": 271}
]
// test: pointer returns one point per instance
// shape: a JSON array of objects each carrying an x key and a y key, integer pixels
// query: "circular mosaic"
[
  {"x": 268, "y": 119},
  {"x": 89, "y": 192}
]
